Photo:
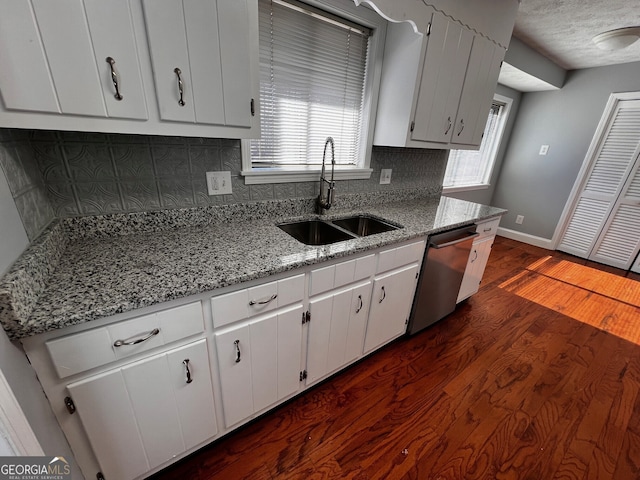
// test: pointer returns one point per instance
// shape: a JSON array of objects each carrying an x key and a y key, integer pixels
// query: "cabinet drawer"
[
  {"x": 327, "y": 278},
  {"x": 82, "y": 351},
  {"x": 397, "y": 257},
  {"x": 486, "y": 229},
  {"x": 234, "y": 306}
]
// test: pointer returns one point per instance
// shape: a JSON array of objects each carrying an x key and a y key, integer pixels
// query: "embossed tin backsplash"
[{"x": 63, "y": 174}]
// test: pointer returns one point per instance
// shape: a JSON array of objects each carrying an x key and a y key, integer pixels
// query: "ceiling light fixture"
[{"x": 617, "y": 39}]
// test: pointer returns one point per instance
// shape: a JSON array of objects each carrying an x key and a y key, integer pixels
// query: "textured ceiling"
[{"x": 562, "y": 30}]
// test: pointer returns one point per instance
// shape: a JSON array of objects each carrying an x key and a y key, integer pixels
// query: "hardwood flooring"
[{"x": 537, "y": 376}]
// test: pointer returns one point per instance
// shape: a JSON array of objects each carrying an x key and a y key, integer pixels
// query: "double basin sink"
[{"x": 324, "y": 232}]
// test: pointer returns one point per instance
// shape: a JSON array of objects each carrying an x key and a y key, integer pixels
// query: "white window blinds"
[
  {"x": 312, "y": 74},
  {"x": 473, "y": 167}
]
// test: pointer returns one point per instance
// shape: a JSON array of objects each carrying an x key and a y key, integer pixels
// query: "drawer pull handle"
[
  {"x": 178, "y": 72},
  {"x": 263, "y": 302},
  {"x": 114, "y": 77},
  {"x": 237, "y": 344},
  {"x": 360, "y": 306},
  {"x": 461, "y": 126},
  {"x": 487, "y": 230},
  {"x": 384, "y": 295},
  {"x": 185, "y": 362},
  {"x": 476, "y": 257},
  {"x": 122, "y": 343}
]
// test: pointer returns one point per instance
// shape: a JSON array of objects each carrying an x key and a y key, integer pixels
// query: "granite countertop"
[{"x": 97, "y": 276}]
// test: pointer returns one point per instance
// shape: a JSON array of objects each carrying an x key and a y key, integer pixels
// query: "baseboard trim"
[{"x": 526, "y": 238}]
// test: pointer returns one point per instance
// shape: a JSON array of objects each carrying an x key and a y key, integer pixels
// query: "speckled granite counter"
[{"x": 103, "y": 271}]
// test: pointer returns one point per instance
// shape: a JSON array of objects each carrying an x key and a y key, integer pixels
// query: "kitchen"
[{"x": 72, "y": 190}]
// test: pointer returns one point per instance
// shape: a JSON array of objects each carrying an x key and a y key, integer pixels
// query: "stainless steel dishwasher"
[{"x": 442, "y": 271}]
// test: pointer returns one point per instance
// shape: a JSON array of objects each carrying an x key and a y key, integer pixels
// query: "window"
[
  {"x": 314, "y": 84},
  {"x": 471, "y": 169}
]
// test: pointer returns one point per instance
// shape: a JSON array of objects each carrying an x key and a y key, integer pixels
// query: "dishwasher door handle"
[{"x": 454, "y": 242}]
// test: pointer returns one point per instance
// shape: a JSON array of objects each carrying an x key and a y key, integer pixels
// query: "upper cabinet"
[
  {"x": 440, "y": 72},
  {"x": 54, "y": 57},
  {"x": 165, "y": 67},
  {"x": 200, "y": 57}
]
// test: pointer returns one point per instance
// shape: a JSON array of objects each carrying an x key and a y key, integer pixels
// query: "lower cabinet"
[
  {"x": 259, "y": 363},
  {"x": 478, "y": 258},
  {"x": 390, "y": 306},
  {"x": 135, "y": 394},
  {"x": 141, "y": 415},
  {"x": 337, "y": 327}
]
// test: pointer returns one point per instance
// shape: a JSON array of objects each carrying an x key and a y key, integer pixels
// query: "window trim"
[
  {"x": 361, "y": 170},
  {"x": 501, "y": 129}
]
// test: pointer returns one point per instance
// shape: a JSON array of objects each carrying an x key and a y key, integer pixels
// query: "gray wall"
[
  {"x": 538, "y": 186},
  {"x": 13, "y": 362},
  {"x": 71, "y": 173},
  {"x": 525, "y": 58},
  {"x": 485, "y": 195}
]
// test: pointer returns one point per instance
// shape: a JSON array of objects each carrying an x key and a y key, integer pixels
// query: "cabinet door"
[
  {"x": 234, "y": 362},
  {"x": 210, "y": 43},
  {"x": 336, "y": 331},
  {"x": 445, "y": 63},
  {"x": 139, "y": 416},
  {"x": 478, "y": 258},
  {"x": 390, "y": 306},
  {"x": 479, "y": 86},
  {"x": 67, "y": 44},
  {"x": 112, "y": 36},
  {"x": 263, "y": 366}
]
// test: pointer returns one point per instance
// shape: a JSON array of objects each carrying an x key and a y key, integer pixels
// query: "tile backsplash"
[{"x": 62, "y": 174}]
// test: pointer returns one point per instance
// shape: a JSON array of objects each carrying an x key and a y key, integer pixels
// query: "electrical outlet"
[
  {"x": 520, "y": 219},
  {"x": 385, "y": 176},
  {"x": 219, "y": 183},
  {"x": 544, "y": 149}
]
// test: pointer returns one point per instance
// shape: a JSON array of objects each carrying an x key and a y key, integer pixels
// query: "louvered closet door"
[
  {"x": 614, "y": 161},
  {"x": 619, "y": 242}
]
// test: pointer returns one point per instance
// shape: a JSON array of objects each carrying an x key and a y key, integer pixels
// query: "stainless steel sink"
[
  {"x": 363, "y": 225},
  {"x": 315, "y": 232}
]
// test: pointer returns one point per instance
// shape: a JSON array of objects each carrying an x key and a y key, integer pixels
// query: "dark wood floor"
[{"x": 514, "y": 385}]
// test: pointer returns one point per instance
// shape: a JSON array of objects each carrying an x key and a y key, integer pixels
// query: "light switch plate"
[
  {"x": 385, "y": 176},
  {"x": 544, "y": 149},
  {"x": 219, "y": 183}
]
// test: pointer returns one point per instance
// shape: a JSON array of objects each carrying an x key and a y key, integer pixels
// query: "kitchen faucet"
[{"x": 325, "y": 203}]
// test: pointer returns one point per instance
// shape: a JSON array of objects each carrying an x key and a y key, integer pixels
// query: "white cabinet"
[
  {"x": 141, "y": 415},
  {"x": 54, "y": 58},
  {"x": 336, "y": 330},
  {"x": 201, "y": 60},
  {"x": 259, "y": 363},
  {"x": 161, "y": 67},
  {"x": 390, "y": 306},
  {"x": 436, "y": 86},
  {"x": 478, "y": 258}
]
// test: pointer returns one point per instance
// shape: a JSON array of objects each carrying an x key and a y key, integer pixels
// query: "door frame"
[{"x": 588, "y": 161}]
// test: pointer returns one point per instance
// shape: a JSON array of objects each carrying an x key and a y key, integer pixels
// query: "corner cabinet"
[
  {"x": 437, "y": 83},
  {"x": 164, "y": 67}
]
